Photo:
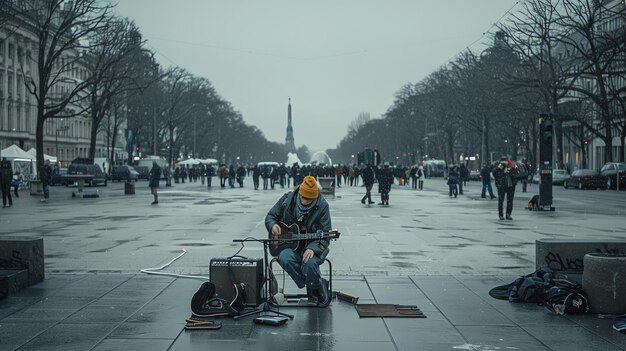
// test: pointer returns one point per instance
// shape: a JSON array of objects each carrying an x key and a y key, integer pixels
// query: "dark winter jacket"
[
  {"x": 155, "y": 176},
  {"x": 385, "y": 179},
  {"x": 485, "y": 174},
  {"x": 318, "y": 218},
  {"x": 505, "y": 176},
  {"x": 46, "y": 174},
  {"x": 368, "y": 175},
  {"x": 6, "y": 172}
]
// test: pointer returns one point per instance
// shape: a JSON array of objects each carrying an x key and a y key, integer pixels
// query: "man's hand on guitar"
[
  {"x": 276, "y": 230},
  {"x": 308, "y": 253}
]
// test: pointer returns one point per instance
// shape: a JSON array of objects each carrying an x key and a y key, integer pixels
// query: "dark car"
[
  {"x": 83, "y": 166},
  {"x": 586, "y": 179},
  {"x": 610, "y": 170},
  {"x": 474, "y": 175},
  {"x": 57, "y": 175},
  {"x": 144, "y": 172},
  {"x": 124, "y": 173}
]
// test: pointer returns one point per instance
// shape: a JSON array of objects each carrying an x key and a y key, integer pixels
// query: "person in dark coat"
[
  {"x": 310, "y": 211},
  {"x": 368, "y": 180},
  {"x": 505, "y": 175},
  {"x": 256, "y": 173},
  {"x": 155, "y": 176},
  {"x": 209, "y": 175},
  {"x": 46, "y": 179},
  {"x": 464, "y": 174},
  {"x": 231, "y": 176},
  {"x": 385, "y": 179},
  {"x": 6, "y": 177},
  {"x": 453, "y": 180},
  {"x": 485, "y": 175}
]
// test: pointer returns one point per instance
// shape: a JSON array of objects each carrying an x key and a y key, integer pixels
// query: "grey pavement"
[{"x": 439, "y": 253}]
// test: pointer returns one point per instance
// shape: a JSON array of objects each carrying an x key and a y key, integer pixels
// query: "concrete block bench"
[
  {"x": 23, "y": 253},
  {"x": 604, "y": 282},
  {"x": 327, "y": 185},
  {"x": 567, "y": 255}
]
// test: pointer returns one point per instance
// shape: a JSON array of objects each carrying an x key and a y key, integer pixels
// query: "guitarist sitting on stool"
[{"x": 309, "y": 210}]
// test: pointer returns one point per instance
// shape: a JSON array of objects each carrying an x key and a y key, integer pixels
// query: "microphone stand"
[{"x": 265, "y": 305}]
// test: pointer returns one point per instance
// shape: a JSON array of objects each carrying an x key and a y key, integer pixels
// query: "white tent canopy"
[
  {"x": 189, "y": 161},
  {"x": 14, "y": 151},
  {"x": 33, "y": 153},
  {"x": 208, "y": 161}
]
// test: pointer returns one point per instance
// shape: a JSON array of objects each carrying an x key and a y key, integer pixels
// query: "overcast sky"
[{"x": 335, "y": 58}]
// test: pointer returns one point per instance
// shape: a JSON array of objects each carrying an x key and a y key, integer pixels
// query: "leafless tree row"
[
  {"x": 560, "y": 57},
  {"x": 89, "y": 62}
]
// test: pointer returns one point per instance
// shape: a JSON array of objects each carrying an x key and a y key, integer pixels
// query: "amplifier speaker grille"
[{"x": 248, "y": 271}]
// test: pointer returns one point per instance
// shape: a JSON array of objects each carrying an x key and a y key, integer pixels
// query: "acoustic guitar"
[{"x": 291, "y": 238}]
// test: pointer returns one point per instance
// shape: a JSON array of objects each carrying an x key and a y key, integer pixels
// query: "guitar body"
[
  {"x": 287, "y": 232},
  {"x": 291, "y": 238}
]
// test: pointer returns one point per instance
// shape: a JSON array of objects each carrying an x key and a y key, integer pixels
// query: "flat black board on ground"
[{"x": 388, "y": 311}]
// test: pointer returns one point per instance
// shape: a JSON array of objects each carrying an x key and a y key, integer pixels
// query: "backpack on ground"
[
  {"x": 204, "y": 304},
  {"x": 566, "y": 297},
  {"x": 528, "y": 288}
]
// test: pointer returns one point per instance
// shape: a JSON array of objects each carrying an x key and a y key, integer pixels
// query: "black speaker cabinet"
[{"x": 244, "y": 270}]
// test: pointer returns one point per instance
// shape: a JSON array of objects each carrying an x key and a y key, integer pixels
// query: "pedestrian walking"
[
  {"x": 17, "y": 181},
  {"x": 485, "y": 175},
  {"x": 155, "y": 176},
  {"x": 368, "y": 180},
  {"x": 385, "y": 179},
  {"x": 46, "y": 179},
  {"x": 453, "y": 180},
  {"x": 464, "y": 177},
  {"x": 6, "y": 177},
  {"x": 420, "y": 178},
  {"x": 505, "y": 174}
]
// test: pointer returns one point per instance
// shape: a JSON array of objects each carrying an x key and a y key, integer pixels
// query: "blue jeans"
[
  {"x": 46, "y": 191},
  {"x": 303, "y": 274},
  {"x": 487, "y": 186}
]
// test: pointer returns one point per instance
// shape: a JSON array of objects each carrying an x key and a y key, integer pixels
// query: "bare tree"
[
  {"x": 62, "y": 29},
  {"x": 116, "y": 67}
]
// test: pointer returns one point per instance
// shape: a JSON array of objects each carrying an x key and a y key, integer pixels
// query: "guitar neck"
[{"x": 309, "y": 236}]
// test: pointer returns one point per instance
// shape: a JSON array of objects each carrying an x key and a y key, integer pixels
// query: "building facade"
[{"x": 65, "y": 138}]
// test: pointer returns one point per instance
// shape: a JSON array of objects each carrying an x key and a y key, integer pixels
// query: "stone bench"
[
  {"x": 604, "y": 281},
  {"x": 567, "y": 255},
  {"x": 21, "y": 254},
  {"x": 327, "y": 185}
]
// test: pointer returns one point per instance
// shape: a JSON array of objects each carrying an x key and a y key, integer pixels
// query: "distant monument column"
[{"x": 290, "y": 146}]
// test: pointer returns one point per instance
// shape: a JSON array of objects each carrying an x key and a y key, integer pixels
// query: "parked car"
[
  {"x": 559, "y": 176},
  {"x": 586, "y": 179},
  {"x": 610, "y": 171},
  {"x": 144, "y": 172},
  {"x": 87, "y": 167},
  {"x": 124, "y": 173},
  {"x": 474, "y": 175},
  {"x": 57, "y": 175}
]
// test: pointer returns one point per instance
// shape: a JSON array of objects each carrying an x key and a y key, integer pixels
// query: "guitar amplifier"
[{"x": 244, "y": 270}]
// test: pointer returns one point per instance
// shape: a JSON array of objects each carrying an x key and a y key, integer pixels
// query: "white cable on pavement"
[{"x": 152, "y": 270}]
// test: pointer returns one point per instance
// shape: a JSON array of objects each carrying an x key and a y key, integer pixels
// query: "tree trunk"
[
  {"x": 39, "y": 135},
  {"x": 608, "y": 142},
  {"x": 171, "y": 142}
]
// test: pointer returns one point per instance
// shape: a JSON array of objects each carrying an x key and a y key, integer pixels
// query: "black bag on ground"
[
  {"x": 528, "y": 288},
  {"x": 205, "y": 304},
  {"x": 566, "y": 297}
]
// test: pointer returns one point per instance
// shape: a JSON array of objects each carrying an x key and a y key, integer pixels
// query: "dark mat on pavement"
[{"x": 388, "y": 311}]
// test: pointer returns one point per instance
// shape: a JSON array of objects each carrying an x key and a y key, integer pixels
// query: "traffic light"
[
  {"x": 586, "y": 142},
  {"x": 137, "y": 148},
  {"x": 547, "y": 132}
]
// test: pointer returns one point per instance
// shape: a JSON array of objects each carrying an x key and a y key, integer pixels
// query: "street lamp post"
[{"x": 56, "y": 140}]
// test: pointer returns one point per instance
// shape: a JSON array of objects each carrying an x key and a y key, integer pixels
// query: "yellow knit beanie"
[{"x": 308, "y": 188}]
